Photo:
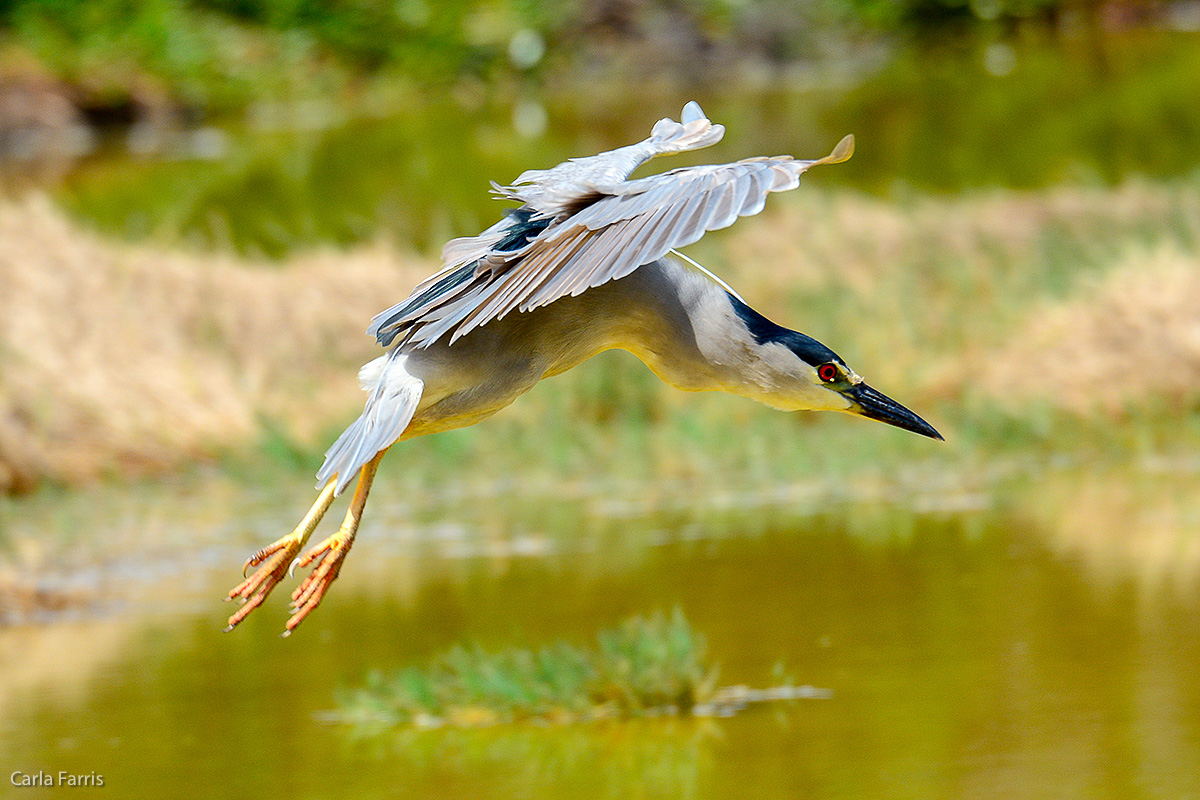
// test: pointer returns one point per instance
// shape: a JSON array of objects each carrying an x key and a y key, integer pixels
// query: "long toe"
[
  {"x": 327, "y": 558},
  {"x": 272, "y": 563}
]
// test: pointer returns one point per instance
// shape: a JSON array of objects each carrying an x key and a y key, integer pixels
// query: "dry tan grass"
[
  {"x": 1132, "y": 336},
  {"x": 116, "y": 358},
  {"x": 972, "y": 247}
]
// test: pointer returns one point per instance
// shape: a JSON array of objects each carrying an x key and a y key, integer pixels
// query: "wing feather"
[
  {"x": 506, "y": 291},
  {"x": 552, "y": 247}
]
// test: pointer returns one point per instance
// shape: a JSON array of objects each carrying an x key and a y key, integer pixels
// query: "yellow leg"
[
  {"x": 329, "y": 554},
  {"x": 273, "y": 560}
]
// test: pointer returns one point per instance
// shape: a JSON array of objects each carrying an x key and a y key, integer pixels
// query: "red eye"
[{"x": 827, "y": 373}]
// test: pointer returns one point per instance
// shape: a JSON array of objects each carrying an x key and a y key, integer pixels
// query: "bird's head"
[{"x": 801, "y": 374}]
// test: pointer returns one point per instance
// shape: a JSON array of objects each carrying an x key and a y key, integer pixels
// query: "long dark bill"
[{"x": 878, "y": 406}]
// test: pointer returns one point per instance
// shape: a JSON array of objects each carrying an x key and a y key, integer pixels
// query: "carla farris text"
[{"x": 62, "y": 778}]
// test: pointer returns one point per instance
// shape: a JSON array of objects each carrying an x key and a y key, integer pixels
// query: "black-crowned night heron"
[{"x": 583, "y": 265}]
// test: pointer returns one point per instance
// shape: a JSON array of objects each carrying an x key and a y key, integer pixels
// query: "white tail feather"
[{"x": 392, "y": 401}]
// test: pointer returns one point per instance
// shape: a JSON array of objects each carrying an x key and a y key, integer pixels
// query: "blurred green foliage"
[
  {"x": 1067, "y": 111},
  {"x": 935, "y": 13},
  {"x": 221, "y": 54}
]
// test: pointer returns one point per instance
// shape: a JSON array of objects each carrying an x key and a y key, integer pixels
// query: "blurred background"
[{"x": 203, "y": 203}]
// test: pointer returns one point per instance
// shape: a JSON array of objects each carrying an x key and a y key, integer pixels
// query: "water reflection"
[
  {"x": 969, "y": 654},
  {"x": 644, "y": 759},
  {"x": 945, "y": 118}
]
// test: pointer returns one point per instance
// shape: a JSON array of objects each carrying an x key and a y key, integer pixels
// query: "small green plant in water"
[{"x": 646, "y": 666}]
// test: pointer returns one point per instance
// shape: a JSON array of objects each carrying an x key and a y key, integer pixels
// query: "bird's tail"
[{"x": 392, "y": 400}]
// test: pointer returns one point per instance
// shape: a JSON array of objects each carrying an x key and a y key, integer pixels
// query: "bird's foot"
[
  {"x": 279, "y": 558},
  {"x": 328, "y": 557},
  {"x": 272, "y": 562}
]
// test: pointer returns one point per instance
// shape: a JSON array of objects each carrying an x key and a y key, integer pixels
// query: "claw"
[{"x": 260, "y": 556}]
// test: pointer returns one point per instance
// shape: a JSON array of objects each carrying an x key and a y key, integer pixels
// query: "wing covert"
[{"x": 531, "y": 259}]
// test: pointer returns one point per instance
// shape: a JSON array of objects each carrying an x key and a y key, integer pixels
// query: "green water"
[
  {"x": 970, "y": 653},
  {"x": 960, "y": 115}
]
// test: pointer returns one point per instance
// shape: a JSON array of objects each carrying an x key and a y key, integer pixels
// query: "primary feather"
[{"x": 584, "y": 223}]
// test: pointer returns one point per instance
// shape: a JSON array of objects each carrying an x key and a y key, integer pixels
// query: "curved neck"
[{"x": 697, "y": 336}]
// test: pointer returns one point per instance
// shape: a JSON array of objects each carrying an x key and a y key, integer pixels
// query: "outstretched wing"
[{"x": 583, "y": 224}]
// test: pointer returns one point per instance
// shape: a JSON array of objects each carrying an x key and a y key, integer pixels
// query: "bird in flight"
[{"x": 586, "y": 262}]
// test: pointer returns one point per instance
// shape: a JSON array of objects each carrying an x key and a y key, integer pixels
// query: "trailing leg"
[
  {"x": 329, "y": 555},
  {"x": 393, "y": 397}
]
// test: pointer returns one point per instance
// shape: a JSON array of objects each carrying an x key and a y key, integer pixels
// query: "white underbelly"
[{"x": 487, "y": 369}]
